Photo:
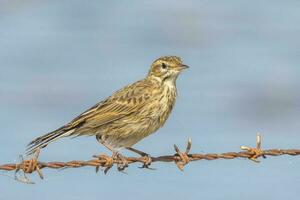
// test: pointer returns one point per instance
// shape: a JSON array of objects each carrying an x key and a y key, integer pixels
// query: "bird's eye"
[{"x": 163, "y": 65}]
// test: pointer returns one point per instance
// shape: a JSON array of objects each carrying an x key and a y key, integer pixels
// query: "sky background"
[{"x": 59, "y": 57}]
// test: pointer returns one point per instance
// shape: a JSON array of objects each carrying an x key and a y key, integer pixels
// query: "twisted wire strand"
[{"x": 179, "y": 158}]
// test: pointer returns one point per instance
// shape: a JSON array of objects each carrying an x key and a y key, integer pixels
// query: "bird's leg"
[
  {"x": 116, "y": 155},
  {"x": 141, "y": 153},
  {"x": 147, "y": 158}
]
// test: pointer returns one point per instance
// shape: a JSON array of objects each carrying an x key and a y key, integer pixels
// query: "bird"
[{"x": 129, "y": 114}]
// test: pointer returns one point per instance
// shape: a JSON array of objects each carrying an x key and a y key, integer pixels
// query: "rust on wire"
[{"x": 180, "y": 158}]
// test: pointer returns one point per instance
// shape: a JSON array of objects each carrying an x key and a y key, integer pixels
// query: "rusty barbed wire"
[{"x": 179, "y": 158}]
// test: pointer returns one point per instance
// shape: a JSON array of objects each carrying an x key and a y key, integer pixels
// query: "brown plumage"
[{"x": 130, "y": 114}]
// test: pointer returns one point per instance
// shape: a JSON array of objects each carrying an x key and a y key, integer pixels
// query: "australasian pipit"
[{"x": 128, "y": 115}]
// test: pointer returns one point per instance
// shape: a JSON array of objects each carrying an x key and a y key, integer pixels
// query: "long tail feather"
[{"x": 44, "y": 140}]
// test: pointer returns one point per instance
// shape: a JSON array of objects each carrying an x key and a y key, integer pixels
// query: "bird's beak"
[{"x": 183, "y": 66}]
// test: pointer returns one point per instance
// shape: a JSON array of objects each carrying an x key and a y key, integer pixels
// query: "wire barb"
[
  {"x": 28, "y": 167},
  {"x": 257, "y": 151},
  {"x": 106, "y": 162},
  {"x": 183, "y": 157}
]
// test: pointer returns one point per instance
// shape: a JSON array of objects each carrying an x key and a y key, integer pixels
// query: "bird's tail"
[{"x": 44, "y": 140}]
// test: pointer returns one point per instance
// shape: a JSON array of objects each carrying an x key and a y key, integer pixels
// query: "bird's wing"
[{"x": 122, "y": 103}]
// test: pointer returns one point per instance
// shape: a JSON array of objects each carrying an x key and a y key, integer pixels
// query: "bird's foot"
[
  {"x": 146, "y": 159},
  {"x": 121, "y": 161},
  {"x": 116, "y": 158}
]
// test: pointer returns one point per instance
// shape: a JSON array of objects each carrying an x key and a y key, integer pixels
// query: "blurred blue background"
[{"x": 58, "y": 58}]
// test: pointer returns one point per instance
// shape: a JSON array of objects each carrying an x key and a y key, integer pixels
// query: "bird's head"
[{"x": 166, "y": 68}]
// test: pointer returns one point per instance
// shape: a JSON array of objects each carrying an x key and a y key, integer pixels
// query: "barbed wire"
[{"x": 180, "y": 158}]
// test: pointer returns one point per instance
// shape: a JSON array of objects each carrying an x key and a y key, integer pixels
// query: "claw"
[
  {"x": 109, "y": 162},
  {"x": 146, "y": 159},
  {"x": 122, "y": 163}
]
